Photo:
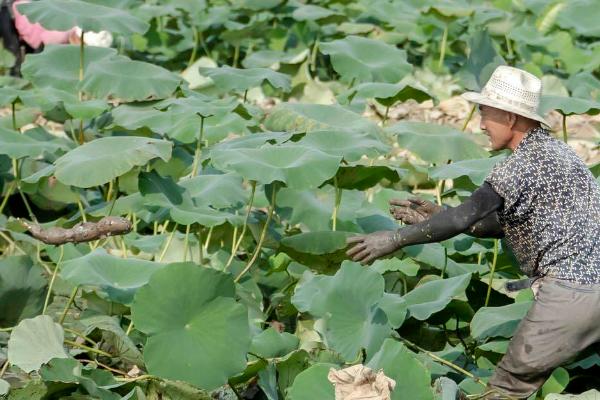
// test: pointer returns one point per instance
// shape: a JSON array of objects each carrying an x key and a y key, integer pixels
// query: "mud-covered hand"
[
  {"x": 413, "y": 210},
  {"x": 366, "y": 248}
]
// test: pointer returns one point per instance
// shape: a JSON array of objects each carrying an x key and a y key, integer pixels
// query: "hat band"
[{"x": 495, "y": 96}]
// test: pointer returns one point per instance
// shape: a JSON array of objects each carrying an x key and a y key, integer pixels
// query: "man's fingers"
[
  {"x": 399, "y": 202},
  {"x": 355, "y": 239},
  {"x": 369, "y": 259},
  {"x": 361, "y": 255},
  {"x": 417, "y": 200},
  {"x": 356, "y": 249}
]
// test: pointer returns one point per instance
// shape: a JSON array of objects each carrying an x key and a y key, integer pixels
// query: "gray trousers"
[{"x": 563, "y": 321}]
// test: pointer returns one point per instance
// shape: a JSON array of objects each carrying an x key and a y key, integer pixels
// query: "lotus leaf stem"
[
  {"x": 27, "y": 206},
  {"x": 139, "y": 378},
  {"x": 68, "y": 305},
  {"x": 263, "y": 234},
  {"x": 88, "y": 348},
  {"x": 200, "y": 245},
  {"x": 101, "y": 365},
  {"x": 11, "y": 242},
  {"x": 198, "y": 148},
  {"x": 4, "y": 368},
  {"x": 51, "y": 285},
  {"x": 443, "y": 48},
  {"x": 203, "y": 44},
  {"x": 236, "y": 55},
  {"x": 186, "y": 242},
  {"x": 336, "y": 207},
  {"x": 239, "y": 240},
  {"x": 445, "y": 262},
  {"x": 207, "y": 241},
  {"x": 81, "y": 335},
  {"x": 564, "y": 127},
  {"x": 168, "y": 244},
  {"x": 194, "y": 49},
  {"x": 385, "y": 116},
  {"x": 468, "y": 118},
  {"x": 129, "y": 328},
  {"x": 494, "y": 260},
  {"x": 313, "y": 55},
  {"x": 81, "y": 211},
  {"x": 9, "y": 191},
  {"x": 442, "y": 361}
]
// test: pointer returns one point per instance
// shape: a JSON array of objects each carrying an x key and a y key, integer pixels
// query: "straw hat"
[{"x": 511, "y": 89}]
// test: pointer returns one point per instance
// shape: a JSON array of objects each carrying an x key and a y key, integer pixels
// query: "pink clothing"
[{"x": 33, "y": 34}]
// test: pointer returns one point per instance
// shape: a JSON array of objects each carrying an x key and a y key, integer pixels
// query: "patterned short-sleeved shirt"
[{"x": 551, "y": 212}]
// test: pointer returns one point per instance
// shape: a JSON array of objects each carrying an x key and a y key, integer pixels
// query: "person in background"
[{"x": 20, "y": 36}]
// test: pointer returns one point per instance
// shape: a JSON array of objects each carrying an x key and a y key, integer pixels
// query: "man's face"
[{"x": 497, "y": 125}]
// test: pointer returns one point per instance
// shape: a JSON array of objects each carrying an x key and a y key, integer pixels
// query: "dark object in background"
[{"x": 10, "y": 37}]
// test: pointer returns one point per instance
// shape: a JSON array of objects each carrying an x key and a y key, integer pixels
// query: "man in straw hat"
[{"x": 546, "y": 204}]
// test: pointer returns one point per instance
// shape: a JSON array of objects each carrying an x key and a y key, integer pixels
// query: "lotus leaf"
[
  {"x": 104, "y": 159},
  {"x": 476, "y": 170},
  {"x": 63, "y": 15},
  {"x": 227, "y": 78},
  {"x": 299, "y": 167},
  {"x": 579, "y": 15},
  {"x": 58, "y": 65},
  {"x": 19, "y": 145},
  {"x": 434, "y": 296},
  {"x": 187, "y": 307},
  {"x": 498, "y": 321},
  {"x": 435, "y": 143},
  {"x": 312, "y": 383},
  {"x": 400, "y": 364},
  {"x": 34, "y": 342},
  {"x": 271, "y": 344},
  {"x": 348, "y": 305},
  {"x": 19, "y": 279},
  {"x": 118, "y": 277},
  {"x": 367, "y": 60},
  {"x": 482, "y": 61},
  {"x": 387, "y": 94},
  {"x": 127, "y": 80},
  {"x": 309, "y": 12},
  {"x": 299, "y": 117},
  {"x": 569, "y": 105},
  {"x": 351, "y": 145}
]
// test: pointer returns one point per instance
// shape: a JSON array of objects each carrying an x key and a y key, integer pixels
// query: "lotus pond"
[{"x": 246, "y": 140}]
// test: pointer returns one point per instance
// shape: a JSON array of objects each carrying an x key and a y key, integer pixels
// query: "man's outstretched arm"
[
  {"x": 441, "y": 226},
  {"x": 414, "y": 210}
]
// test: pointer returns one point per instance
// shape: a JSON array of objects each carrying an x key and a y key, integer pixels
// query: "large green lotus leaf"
[
  {"x": 164, "y": 192},
  {"x": 114, "y": 337},
  {"x": 312, "y": 384},
  {"x": 101, "y": 160},
  {"x": 348, "y": 305},
  {"x": 254, "y": 140},
  {"x": 387, "y": 94},
  {"x": 323, "y": 251},
  {"x": 584, "y": 85},
  {"x": 413, "y": 380},
  {"x": 556, "y": 383},
  {"x": 581, "y": 16},
  {"x": 434, "y": 296},
  {"x": 34, "y": 342},
  {"x": 482, "y": 61},
  {"x": 19, "y": 145},
  {"x": 434, "y": 254},
  {"x": 309, "y": 12},
  {"x": 86, "y": 109},
  {"x": 299, "y": 167},
  {"x": 22, "y": 290},
  {"x": 9, "y": 95},
  {"x": 200, "y": 105},
  {"x": 407, "y": 266},
  {"x": 227, "y": 78},
  {"x": 569, "y": 105},
  {"x": 219, "y": 190},
  {"x": 498, "y": 321},
  {"x": 351, "y": 145},
  {"x": 476, "y": 170},
  {"x": 362, "y": 177},
  {"x": 58, "y": 65},
  {"x": 368, "y": 60},
  {"x": 271, "y": 343},
  {"x": 62, "y": 15},
  {"x": 300, "y": 117},
  {"x": 185, "y": 307},
  {"x": 271, "y": 58},
  {"x": 128, "y": 80},
  {"x": 313, "y": 208},
  {"x": 436, "y": 143},
  {"x": 118, "y": 277}
]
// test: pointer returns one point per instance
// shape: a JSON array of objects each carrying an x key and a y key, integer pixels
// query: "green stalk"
[
  {"x": 207, "y": 242},
  {"x": 385, "y": 117},
  {"x": 564, "y": 127},
  {"x": 263, "y": 234},
  {"x": 198, "y": 148},
  {"x": 81, "y": 211},
  {"x": 194, "y": 49},
  {"x": 186, "y": 242},
  {"x": 445, "y": 262},
  {"x": 88, "y": 348},
  {"x": 14, "y": 115},
  {"x": 313, "y": 55},
  {"x": 203, "y": 44},
  {"x": 69, "y": 302},
  {"x": 336, "y": 207},
  {"x": 9, "y": 191},
  {"x": 468, "y": 118},
  {"x": 245, "y": 95},
  {"x": 4, "y": 368},
  {"x": 51, "y": 285},
  {"x": 443, "y": 49},
  {"x": 489, "y": 290},
  {"x": 200, "y": 250},
  {"x": 168, "y": 244},
  {"x": 239, "y": 241},
  {"x": 81, "y": 61},
  {"x": 236, "y": 55}
]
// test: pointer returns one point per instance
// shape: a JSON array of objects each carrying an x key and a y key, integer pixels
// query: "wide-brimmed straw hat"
[{"x": 511, "y": 89}]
